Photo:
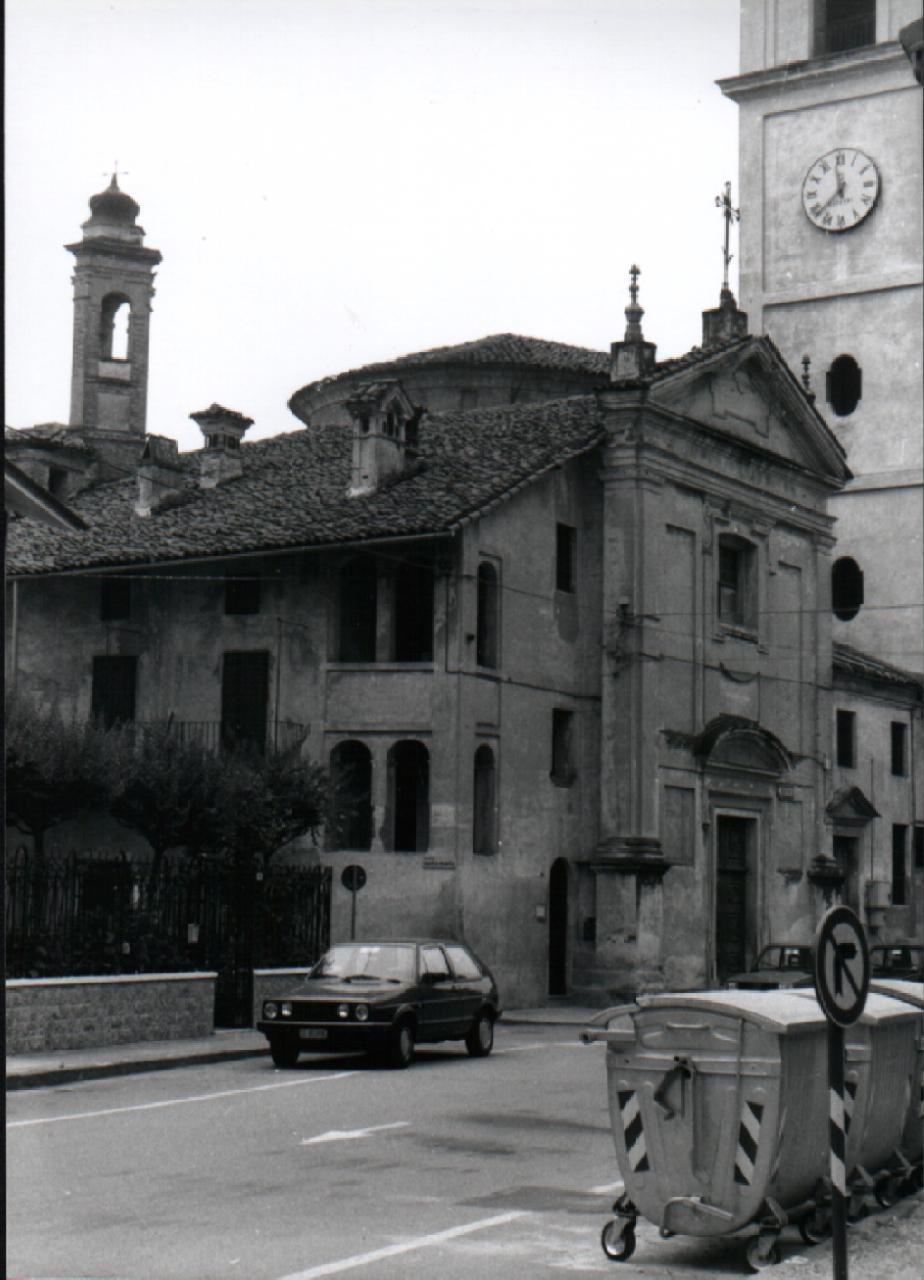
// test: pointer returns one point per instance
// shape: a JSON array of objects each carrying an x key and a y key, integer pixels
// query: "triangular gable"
[
  {"x": 849, "y": 807},
  {"x": 749, "y": 393}
]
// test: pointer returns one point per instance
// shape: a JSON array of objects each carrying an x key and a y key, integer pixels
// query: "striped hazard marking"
[
  {"x": 748, "y": 1141},
  {"x": 634, "y": 1132}
]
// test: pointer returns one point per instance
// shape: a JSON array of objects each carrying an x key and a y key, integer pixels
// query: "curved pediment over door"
[{"x": 743, "y": 746}]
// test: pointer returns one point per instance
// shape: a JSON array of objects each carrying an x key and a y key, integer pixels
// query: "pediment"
[
  {"x": 732, "y": 742},
  {"x": 849, "y": 807},
  {"x": 750, "y": 395}
]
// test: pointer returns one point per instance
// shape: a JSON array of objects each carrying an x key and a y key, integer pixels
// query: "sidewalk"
[{"x": 29, "y": 1071}]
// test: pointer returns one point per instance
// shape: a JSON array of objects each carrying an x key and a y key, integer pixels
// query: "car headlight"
[
  {"x": 286, "y": 1008},
  {"x": 362, "y": 1013},
  {"x": 270, "y": 1010},
  {"x": 343, "y": 1010},
  {"x": 731, "y": 986}
]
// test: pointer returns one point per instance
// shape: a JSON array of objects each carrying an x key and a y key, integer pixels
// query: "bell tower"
[
  {"x": 830, "y": 152},
  {"x": 113, "y": 287}
]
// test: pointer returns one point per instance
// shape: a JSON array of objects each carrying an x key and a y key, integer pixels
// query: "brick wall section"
[
  {"x": 270, "y": 983},
  {"x": 45, "y": 1014}
]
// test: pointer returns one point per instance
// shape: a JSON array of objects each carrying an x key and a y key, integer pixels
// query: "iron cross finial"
[
  {"x": 634, "y": 273},
  {"x": 115, "y": 173},
  {"x": 730, "y": 215}
]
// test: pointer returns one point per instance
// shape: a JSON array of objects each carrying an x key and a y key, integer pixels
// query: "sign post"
[
  {"x": 353, "y": 878},
  {"x": 841, "y": 985}
]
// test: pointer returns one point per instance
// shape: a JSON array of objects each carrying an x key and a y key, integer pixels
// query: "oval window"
[
  {"x": 845, "y": 385},
  {"x": 846, "y": 588}
]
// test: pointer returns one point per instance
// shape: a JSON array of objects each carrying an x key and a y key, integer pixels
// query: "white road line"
[
  {"x": 178, "y": 1102},
  {"x": 347, "y": 1135},
  {"x": 394, "y": 1250},
  {"x": 607, "y": 1188}
]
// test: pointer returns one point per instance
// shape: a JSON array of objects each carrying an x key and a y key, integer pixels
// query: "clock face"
[{"x": 840, "y": 189}]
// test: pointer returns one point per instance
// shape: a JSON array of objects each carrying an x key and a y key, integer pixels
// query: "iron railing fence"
[{"x": 82, "y": 913}]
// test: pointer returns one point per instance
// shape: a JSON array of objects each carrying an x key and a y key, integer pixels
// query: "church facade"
[{"x": 566, "y": 624}]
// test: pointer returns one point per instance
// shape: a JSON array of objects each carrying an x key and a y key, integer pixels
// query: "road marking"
[
  {"x": 346, "y": 1135},
  {"x": 394, "y": 1250},
  {"x": 177, "y": 1102},
  {"x": 606, "y": 1188}
]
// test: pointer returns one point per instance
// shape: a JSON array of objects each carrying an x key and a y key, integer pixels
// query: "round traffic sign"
[
  {"x": 841, "y": 966},
  {"x": 353, "y": 877}
]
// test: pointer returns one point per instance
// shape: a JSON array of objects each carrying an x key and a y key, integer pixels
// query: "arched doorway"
[{"x": 558, "y": 928}]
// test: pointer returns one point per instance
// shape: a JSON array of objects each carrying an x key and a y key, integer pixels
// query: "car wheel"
[
  {"x": 480, "y": 1039},
  {"x": 284, "y": 1052},
  {"x": 401, "y": 1049}
]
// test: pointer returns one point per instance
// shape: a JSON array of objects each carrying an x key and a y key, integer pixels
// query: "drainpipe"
[
  {"x": 14, "y": 636},
  {"x": 278, "y": 681}
]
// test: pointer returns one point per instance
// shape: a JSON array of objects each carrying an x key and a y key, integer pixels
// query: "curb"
[{"x": 64, "y": 1074}]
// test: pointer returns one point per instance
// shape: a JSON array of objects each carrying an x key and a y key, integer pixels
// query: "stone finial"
[
  {"x": 633, "y": 357},
  {"x": 724, "y": 321}
]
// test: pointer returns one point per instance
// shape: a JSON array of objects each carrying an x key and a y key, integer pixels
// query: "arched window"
[
  {"x": 358, "y": 615},
  {"x": 486, "y": 638},
  {"x": 115, "y": 314},
  {"x": 408, "y": 817},
  {"x": 484, "y": 822},
  {"x": 844, "y": 385},
  {"x": 846, "y": 588},
  {"x": 351, "y": 795}
]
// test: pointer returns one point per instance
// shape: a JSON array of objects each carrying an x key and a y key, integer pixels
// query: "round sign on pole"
[
  {"x": 841, "y": 966},
  {"x": 353, "y": 877}
]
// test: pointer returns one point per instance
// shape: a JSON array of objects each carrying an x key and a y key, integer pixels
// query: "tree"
[{"x": 56, "y": 768}]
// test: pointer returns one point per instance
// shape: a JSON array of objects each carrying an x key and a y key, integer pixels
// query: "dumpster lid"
[
  {"x": 878, "y": 1007},
  {"x": 780, "y": 1011},
  {"x": 901, "y": 988}
]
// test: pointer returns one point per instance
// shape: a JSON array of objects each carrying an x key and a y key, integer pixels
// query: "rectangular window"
[
  {"x": 918, "y": 848},
  {"x": 115, "y": 599},
  {"x": 565, "y": 557},
  {"x": 562, "y": 764},
  {"x": 846, "y": 739},
  {"x": 898, "y": 747},
  {"x": 244, "y": 688},
  {"x": 242, "y": 593},
  {"x": 113, "y": 695},
  {"x": 899, "y": 841},
  {"x": 735, "y": 593}
]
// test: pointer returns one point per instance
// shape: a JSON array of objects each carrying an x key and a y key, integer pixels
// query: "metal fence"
[{"x": 95, "y": 913}]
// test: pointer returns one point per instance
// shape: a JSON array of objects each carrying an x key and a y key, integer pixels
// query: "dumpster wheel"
[
  {"x": 618, "y": 1239},
  {"x": 815, "y": 1227},
  {"x": 763, "y": 1252}
]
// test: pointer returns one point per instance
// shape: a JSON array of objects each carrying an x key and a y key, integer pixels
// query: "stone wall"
[
  {"x": 45, "y": 1014},
  {"x": 271, "y": 983}
]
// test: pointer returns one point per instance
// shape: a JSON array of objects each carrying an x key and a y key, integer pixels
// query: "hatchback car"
[
  {"x": 779, "y": 965},
  {"x": 382, "y": 998},
  {"x": 900, "y": 961}
]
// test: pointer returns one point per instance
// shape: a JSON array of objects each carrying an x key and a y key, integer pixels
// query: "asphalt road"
[{"x": 500, "y": 1167}]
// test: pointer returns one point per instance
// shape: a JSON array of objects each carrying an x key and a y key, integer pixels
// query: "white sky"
[{"x": 332, "y": 182}]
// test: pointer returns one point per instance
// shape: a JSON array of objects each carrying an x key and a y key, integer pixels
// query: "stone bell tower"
[{"x": 113, "y": 288}]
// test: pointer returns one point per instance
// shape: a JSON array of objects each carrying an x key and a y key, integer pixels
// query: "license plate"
[{"x": 313, "y": 1033}]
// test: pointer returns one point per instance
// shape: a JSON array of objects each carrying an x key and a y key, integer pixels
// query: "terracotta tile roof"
[
  {"x": 293, "y": 492},
  {"x": 851, "y": 662},
  {"x": 510, "y": 349}
]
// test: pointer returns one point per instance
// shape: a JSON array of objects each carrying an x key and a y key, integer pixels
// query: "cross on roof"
[{"x": 730, "y": 215}]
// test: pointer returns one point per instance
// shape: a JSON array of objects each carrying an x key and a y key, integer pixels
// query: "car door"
[
  {"x": 469, "y": 985},
  {"x": 437, "y": 998}
]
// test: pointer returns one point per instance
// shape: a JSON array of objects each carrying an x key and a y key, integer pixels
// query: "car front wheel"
[
  {"x": 401, "y": 1048},
  {"x": 284, "y": 1052},
  {"x": 480, "y": 1039}
]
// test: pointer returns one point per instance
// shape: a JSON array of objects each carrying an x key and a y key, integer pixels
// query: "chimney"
[
  {"x": 632, "y": 358},
  {"x": 724, "y": 321},
  {"x": 160, "y": 476},
  {"x": 222, "y": 429},
  {"x": 384, "y": 435}
]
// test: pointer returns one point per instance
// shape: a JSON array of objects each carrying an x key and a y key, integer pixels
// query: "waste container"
[
  {"x": 911, "y": 993},
  {"x": 719, "y": 1109}
]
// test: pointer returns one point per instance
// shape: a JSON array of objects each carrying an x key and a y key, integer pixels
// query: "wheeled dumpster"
[
  {"x": 911, "y": 993},
  {"x": 719, "y": 1109}
]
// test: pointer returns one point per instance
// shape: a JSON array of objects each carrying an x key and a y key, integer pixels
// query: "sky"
[{"x": 333, "y": 182}]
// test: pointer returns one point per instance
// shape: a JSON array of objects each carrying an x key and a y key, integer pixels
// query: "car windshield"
[{"x": 387, "y": 962}]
